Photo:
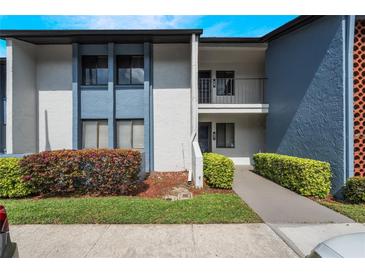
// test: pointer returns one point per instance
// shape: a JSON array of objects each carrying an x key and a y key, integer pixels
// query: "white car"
[{"x": 344, "y": 246}]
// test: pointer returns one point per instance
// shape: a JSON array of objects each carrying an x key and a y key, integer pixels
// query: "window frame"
[
  {"x": 225, "y": 135},
  {"x": 97, "y": 132},
  {"x": 83, "y": 78},
  {"x": 131, "y": 137},
  {"x": 130, "y": 58},
  {"x": 230, "y": 79}
]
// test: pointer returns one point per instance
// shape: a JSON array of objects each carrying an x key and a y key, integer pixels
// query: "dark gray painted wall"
[{"x": 306, "y": 92}]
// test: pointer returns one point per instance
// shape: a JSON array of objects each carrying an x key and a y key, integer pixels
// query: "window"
[
  {"x": 95, "y": 134},
  {"x": 225, "y": 83},
  {"x": 94, "y": 70},
  {"x": 130, "y": 70},
  {"x": 130, "y": 134},
  {"x": 225, "y": 135}
]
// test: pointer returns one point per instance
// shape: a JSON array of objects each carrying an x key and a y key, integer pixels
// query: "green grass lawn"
[
  {"x": 202, "y": 209},
  {"x": 355, "y": 212}
]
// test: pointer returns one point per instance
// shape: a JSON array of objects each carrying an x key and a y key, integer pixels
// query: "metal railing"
[{"x": 231, "y": 90}]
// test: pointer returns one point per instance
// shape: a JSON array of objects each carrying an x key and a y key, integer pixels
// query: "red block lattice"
[{"x": 359, "y": 99}]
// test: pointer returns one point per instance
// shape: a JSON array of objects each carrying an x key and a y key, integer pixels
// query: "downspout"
[{"x": 348, "y": 73}]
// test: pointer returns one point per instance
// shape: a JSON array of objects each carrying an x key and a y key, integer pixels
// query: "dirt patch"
[{"x": 160, "y": 184}]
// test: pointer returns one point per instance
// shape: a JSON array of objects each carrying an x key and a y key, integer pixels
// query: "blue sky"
[{"x": 220, "y": 26}]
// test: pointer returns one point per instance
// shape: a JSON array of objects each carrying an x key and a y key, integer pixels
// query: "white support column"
[
  {"x": 194, "y": 86},
  {"x": 197, "y": 158}
]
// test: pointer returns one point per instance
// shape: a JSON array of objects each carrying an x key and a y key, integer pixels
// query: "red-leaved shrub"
[{"x": 88, "y": 171}]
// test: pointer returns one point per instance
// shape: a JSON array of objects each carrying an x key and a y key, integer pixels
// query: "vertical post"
[
  {"x": 76, "y": 104},
  {"x": 111, "y": 96},
  {"x": 2, "y": 102},
  {"x": 349, "y": 25},
  {"x": 194, "y": 84},
  {"x": 147, "y": 103}
]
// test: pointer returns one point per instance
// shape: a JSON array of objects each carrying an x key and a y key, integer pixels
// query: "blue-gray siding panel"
[
  {"x": 95, "y": 104},
  {"x": 306, "y": 91},
  {"x": 129, "y": 103},
  {"x": 111, "y": 102}
]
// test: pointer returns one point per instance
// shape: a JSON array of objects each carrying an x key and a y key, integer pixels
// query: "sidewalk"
[
  {"x": 215, "y": 240},
  {"x": 276, "y": 204}
]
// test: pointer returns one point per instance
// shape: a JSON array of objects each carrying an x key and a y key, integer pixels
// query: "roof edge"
[
  {"x": 92, "y": 32},
  {"x": 290, "y": 26}
]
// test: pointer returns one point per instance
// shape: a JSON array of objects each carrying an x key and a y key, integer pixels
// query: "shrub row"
[
  {"x": 11, "y": 183},
  {"x": 218, "y": 170},
  {"x": 304, "y": 176},
  {"x": 66, "y": 172},
  {"x": 89, "y": 171},
  {"x": 354, "y": 191}
]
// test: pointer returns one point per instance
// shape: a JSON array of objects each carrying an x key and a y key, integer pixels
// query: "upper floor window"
[
  {"x": 130, "y": 70},
  {"x": 94, "y": 70},
  {"x": 225, "y": 83}
]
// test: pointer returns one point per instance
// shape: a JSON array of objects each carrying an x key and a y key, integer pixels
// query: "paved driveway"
[{"x": 216, "y": 240}]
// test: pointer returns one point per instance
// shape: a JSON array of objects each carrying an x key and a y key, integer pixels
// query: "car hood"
[{"x": 345, "y": 246}]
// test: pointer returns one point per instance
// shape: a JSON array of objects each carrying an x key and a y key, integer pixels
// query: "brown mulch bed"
[{"x": 159, "y": 184}]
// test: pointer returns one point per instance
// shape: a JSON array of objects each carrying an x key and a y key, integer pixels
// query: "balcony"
[{"x": 232, "y": 95}]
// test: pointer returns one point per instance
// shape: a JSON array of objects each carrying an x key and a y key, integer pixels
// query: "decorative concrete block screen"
[{"x": 359, "y": 98}]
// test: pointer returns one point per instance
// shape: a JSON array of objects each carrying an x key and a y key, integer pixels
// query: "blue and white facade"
[{"x": 173, "y": 94}]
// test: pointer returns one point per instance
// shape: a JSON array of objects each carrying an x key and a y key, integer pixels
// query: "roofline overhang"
[{"x": 87, "y": 36}]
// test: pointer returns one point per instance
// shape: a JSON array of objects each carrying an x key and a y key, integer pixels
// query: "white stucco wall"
[
  {"x": 246, "y": 62},
  {"x": 21, "y": 97},
  {"x": 249, "y": 135},
  {"x": 171, "y": 106},
  {"x": 54, "y": 88}
]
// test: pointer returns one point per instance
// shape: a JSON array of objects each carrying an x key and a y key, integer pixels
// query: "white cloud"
[{"x": 127, "y": 22}]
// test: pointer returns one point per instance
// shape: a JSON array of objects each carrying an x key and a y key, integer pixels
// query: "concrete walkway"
[
  {"x": 276, "y": 204},
  {"x": 215, "y": 240}
]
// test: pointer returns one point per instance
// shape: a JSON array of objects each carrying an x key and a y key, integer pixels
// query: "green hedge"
[
  {"x": 11, "y": 183},
  {"x": 354, "y": 191},
  {"x": 88, "y": 171},
  {"x": 304, "y": 176},
  {"x": 218, "y": 170}
]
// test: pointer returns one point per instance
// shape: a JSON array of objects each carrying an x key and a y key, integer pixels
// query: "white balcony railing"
[{"x": 231, "y": 90}]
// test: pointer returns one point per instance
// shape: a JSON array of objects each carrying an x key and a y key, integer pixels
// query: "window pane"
[
  {"x": 124, "y": 134},
  {"x": 138, "y": 134},
  {"x": 103, "y": 134},
  {"x": 221, "y": 135},
  {"x": 94, "y": 70},
  {"x": 137, "y": 70},
  {"x": 225, "y": 82},
  {"x": 102, "y": 70},
  {"x": 124, "y": 70},
  {"x": 230, "y": 135},
  {"x": 89, "y": 134},
  {"x": 88, "y": 64}
]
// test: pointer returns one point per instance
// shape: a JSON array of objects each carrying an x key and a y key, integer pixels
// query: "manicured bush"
[
  {"x": 304, "y": 176},
  {"x": 89, "y": 171},
  {"x": 354, "y": 191},
  {"x": 11, "y": 183},
  {"x": 218, "y": 170}
]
